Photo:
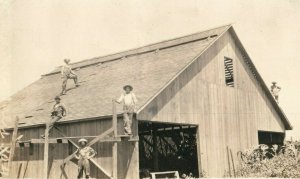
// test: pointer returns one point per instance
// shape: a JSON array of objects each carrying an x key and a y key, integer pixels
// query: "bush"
[{"x": 273, "y": 161}]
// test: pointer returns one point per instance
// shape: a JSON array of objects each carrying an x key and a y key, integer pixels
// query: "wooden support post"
[
  {"x": 115, "y": 145},
  {"x": 228, "y": 156},
  {"x": 46, "y": 151},
  {"x": 12, "y": 148},
  {"x": 233, "y": 167},
  {"x": 155, "y": 149}
]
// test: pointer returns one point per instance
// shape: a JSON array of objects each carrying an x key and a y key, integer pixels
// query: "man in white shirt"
[
  {"x": 67, "y": 73},
  {"x": 275, "y": 90},
  {"x": 84, "y": 153},
  {"x": 129, "y": 101}
]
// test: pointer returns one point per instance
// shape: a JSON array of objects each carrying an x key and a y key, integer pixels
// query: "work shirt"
[
  {"x": 128, "y": 99},
  {"x": 85, "y": 153},
  {"x": 59, "y": 109},
  {"x": 275, "y": 90},
  {"x": 66, "y": 70}
]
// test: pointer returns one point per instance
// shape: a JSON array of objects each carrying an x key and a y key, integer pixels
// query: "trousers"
[
  {"x": 54, "y": 119},
  {"x": 127, "y": 117},
  {"x": 83, "y": 166},
  {"x": 65, "y": 80}
]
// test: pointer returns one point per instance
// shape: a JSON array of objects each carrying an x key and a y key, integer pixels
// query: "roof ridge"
[
  {"x": 142, "y": 49},
  {"x": 155, "y": 43}
]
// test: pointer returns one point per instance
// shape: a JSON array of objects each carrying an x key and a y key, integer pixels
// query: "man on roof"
[
  {"x": 83, "y": 154},
  {"x": 275, "y": 90},
  {"x": 67, "y": 73},
  {"x": 129, "y": 101},
  {"x": 59, "y": 111}
]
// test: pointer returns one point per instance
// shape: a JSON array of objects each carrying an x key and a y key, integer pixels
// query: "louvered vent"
[{"x": 228, "y": 64}]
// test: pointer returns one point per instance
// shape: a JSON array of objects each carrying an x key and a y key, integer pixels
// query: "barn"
[{"x": 199, "y": 96}]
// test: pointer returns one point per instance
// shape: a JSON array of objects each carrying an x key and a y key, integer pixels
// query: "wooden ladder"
[{"x": 10, "y": 148}]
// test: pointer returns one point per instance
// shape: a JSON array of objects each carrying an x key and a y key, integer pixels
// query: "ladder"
[{"x": 7, "y": 151}]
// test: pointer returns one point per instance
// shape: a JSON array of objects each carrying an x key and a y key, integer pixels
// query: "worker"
[
  {"x": 129, "y": 101},
  {"x": 275, "y": 90},
  {"x": 84, "y": 153},
  {"x": 3, "y": 158},
  {"x": 59, "y": 111},
  {"x": 67, "y": 73}
]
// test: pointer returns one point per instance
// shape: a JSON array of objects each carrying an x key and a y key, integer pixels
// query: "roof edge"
[
  {"x": 38, "y": 124},
  {"x": 278, "y": 109}
]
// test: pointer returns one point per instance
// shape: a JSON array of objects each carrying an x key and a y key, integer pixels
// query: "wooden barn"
[{"x": 199, "y": 96}]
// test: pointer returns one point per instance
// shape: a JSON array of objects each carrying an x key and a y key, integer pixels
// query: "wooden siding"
[
  {"x": 30, "y": 166},
  {"x": 227, "y": 116}
]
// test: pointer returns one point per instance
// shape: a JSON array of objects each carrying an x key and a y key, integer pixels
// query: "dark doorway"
[
  {"x": 167, "y": 147},
  {"x": 270, "y": 138}
]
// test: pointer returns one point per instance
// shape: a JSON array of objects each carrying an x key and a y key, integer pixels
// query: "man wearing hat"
[
  {"x": 67, "y": 73},
  {"x": 84, "y": 153},
  {"x": 129, "y": 101},
  {"x": 59, "y": 111},
  {"x": 275, "y": 90}
]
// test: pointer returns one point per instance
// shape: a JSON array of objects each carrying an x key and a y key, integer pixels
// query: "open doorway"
[{"x": 167, "y": 147}]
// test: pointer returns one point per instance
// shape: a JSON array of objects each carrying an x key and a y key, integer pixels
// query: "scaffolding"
[{"x": 103, "y": 137}]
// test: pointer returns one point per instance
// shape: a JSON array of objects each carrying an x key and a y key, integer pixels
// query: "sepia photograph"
[{"x": 149, "y": 89}]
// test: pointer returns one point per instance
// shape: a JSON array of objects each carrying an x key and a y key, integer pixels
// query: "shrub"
[{"x": 273, "y": 161}]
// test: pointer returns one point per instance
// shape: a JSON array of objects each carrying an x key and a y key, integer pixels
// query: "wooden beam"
[
  {"x": 46, "y": 151},
  {"x": 114, "y": 119},
  {"x": 65, "y": 140},
  {"x": 6, "y": 149},
  {"x": 155, "y": 150},
  {"x": 134, "y": 139},
  {"x": 115, "y": 145},
  {"x": 228, "y": 160},
  {"x": 233, "y": 167},
  {"x": 99, "y": 167},
  {"x": 50, "y": 141},
  {"x": 73, "y": 155},
  {"x": 12, "y": 148},
  {"x": 96, "y": 139}
]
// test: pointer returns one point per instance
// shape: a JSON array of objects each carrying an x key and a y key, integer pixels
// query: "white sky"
[{"x": 37, "y": 35}]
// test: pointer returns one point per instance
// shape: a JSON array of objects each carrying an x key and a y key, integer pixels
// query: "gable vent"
[{"x": 228, "y": 65}]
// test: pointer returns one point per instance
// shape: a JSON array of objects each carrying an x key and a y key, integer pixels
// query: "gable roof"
[{"x": 148, "y": 69}]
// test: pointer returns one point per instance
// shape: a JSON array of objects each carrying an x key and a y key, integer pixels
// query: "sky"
[{"x": 35, "y": 36}]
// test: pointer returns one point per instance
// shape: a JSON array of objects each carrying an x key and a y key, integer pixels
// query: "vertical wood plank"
[
  {"x": 115, "y": 145},
  {"x": 46, "y": 151},
  {"x": 13, "y": 146}
]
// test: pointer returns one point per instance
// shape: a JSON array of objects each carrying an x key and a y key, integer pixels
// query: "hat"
[
  {"x": 57, "y": 97},
  {"x": 273, "y": 82},
  {"x": 67, "y": 60},
  {"x": 129, "y": 86},
  {"x": 82, "y": 140}
]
